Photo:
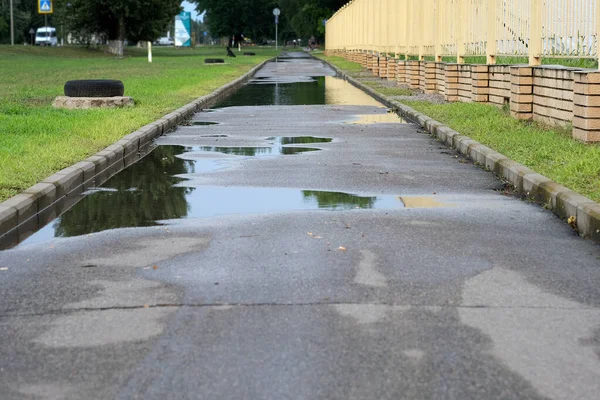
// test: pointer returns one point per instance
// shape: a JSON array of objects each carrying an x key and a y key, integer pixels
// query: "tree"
[
  {"x": 251, "y": 18},
  {"x": 135, "y": 20}
]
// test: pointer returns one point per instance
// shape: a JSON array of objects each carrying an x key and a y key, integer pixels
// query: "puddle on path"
[
  {"x": 257, "y": 151},
  {"x": 421, "y": 202},
  {"x": 150, "y": 191},
  {"x": 203, "y": 123},
  {"x": 306, "y": 91},
  {"x": 299, "y": 139},
  {"x": 389, "y": 118}
]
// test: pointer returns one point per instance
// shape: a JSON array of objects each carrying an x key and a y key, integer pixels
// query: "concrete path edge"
[
  {"x": 47, "y": 199},
  {"x": 582, "y": 213}
]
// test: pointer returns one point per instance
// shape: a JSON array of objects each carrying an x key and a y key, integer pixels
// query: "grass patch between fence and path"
[
  {"x": 37, "y": 140},
  {"x": 549, "y": 151}
]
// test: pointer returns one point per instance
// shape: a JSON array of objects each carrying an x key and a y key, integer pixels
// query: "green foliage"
[
  {"x": 252, "y": 18},
  {"x": 135, "y": 20}
]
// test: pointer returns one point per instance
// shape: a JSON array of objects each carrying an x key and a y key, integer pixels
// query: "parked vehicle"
[
  {"x": 46, "y": 36},
  {"x": 164, "y": 41}
]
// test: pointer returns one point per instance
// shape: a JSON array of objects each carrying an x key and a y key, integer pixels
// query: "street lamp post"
[
  {"x": 12, "y": 25},
  {"x": 276, "y": 12}
]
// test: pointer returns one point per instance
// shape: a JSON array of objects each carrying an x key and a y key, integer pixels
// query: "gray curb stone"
[
  {"x": 52, "y": 191},
  {"x": 564, "y": 202}
]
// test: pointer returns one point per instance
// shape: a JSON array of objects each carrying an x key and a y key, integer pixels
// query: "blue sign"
[
  {"x": 205, "y": 33},
  {"x": 45, "y": 7}
]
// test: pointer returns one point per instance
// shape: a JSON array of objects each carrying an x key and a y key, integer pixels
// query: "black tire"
[
  {"x": 249, "y": 53},
  {"x": 213, "y": 61},
  {"x": 94, "y": 88}
]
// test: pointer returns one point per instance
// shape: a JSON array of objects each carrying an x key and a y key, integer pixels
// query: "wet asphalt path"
[{"x": 438, "y": 286}]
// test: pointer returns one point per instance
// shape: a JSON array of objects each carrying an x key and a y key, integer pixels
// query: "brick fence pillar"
[
  {"x": 391, "y": 69},
  {"x": 401, "y": 71},
  {"x": 451, "y": 82},
  {"x": 480, "y": 81},
  {"x": 521, "y": 92},
  {"x": 376, "y": 64},
  {"x": 430, "y": 84},
  {"x": 369, "y": 61},
  {"x": 413, "y": 71},
  {"x": 383, "y": 62},
  {"x": 586, "y": 106}
]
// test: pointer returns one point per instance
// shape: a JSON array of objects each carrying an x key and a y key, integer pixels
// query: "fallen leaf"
[
  {"x": 146, "y": 306},
  {"x": 309, "y": 233},
  {"x": 155, "y": 267},
  {"x": 572, "y": 221},
  {"x": 342, "y": 248}
]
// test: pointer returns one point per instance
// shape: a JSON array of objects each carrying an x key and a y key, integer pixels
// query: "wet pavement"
[{"x": 308, "y": 245}]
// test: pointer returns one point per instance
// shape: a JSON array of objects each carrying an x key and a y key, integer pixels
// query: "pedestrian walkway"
[{"x": 298, "y": 241}]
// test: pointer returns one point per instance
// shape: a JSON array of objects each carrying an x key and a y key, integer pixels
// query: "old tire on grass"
[
  {"x": 214, "y": 61},
  {"x": 94, "y": 88}
]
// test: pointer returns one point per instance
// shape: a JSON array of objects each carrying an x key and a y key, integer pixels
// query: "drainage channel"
[{"x": 154, "y": 191}]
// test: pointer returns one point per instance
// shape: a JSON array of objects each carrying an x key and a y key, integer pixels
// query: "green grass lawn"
[
  {"x": 549, "y": 151},
  {"x": 37, "y": 140}
]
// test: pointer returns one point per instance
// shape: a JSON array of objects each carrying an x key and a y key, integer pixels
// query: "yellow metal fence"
[{"x": 491, "y": 28}]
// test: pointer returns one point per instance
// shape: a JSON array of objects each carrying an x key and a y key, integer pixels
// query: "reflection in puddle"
[
  {"x": 299, "y": 139},
  {"x": 389, "y": 118},
  {"x": 307, "y": 91},
  {"x": 204, "y": 123},
  {"x": 421, "y": 202},
  {"x": 257, "y": 151}
]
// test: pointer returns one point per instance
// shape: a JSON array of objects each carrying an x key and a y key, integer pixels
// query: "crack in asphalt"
[{"x": 307, "y": 304}]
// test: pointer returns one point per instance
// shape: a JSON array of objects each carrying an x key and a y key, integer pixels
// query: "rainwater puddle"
[
  {"x": 203, "y": 123},
  {"x": 299, "y": 91},
  {"x": 299, "y": 139},
  {"x": 389, "y": 118},
  {"x": 257, "y": 151},
  {"x": 422, "y": 202}
]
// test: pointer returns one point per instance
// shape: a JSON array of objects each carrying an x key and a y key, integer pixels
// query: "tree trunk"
[{"x": 116, "y": 46}]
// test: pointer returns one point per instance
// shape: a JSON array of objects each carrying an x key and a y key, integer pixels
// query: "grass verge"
[
  {"x": 549, "y": 151},
  {"x": 37, "y": 140}
]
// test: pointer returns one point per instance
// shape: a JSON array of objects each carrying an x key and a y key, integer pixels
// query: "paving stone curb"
[
  {"x": 47, "y": 199},
  {"x": 581, "y": 212}
]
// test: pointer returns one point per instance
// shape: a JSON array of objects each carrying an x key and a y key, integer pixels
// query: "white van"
[{"x": 46, "y": 36}]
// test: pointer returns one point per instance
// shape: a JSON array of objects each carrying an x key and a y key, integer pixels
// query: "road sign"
[
  {"x": 276, "y": 11},
  {"x": 45, "y": 7},
  {"x": 205, "y": 33},
  {"x": 31, "y": 31},
  {"x": 183, "y": 29}
]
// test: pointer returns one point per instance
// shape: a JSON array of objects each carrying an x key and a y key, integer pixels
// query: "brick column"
[
  {"x": 370, "y": 61},
  {"x": 376, "y": 65},
  {"x": 430, "y": 82},
  {"x": 521, "y": 92},
  {"x": 401, "y": 71},
  {"x": 391, "y": 69},
  {"x": 383, "y": 62},
  {"x": 364, "y": 57},
  {"x": 481, "y": 82},
  {"x": 451, "y": 83},
  {"x": 586, "y": 106},
  {"x": 413, "y": 71}
]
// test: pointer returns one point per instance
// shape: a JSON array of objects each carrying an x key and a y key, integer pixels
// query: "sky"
[{"x": 187, "y": 6}]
